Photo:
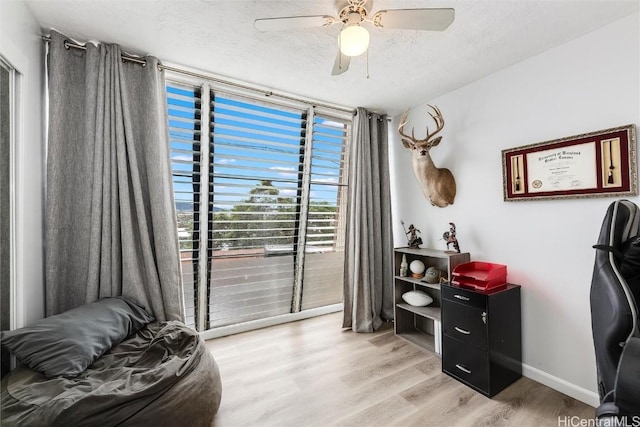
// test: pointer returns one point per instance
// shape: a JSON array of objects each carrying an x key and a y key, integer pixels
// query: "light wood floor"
[{"x": 313, "y": 373}]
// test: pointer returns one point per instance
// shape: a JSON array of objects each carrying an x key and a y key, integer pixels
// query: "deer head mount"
[{"x": 438, "y": 184}]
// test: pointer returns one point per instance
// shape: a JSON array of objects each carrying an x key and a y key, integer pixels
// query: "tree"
[
  {"x": 261, "y": 219},
  {"x": 185, "y": 222},
  {"x": 266, "y": 218}
]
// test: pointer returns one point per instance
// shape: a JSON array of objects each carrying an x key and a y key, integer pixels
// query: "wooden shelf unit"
[{"x": 421, "y": 325}]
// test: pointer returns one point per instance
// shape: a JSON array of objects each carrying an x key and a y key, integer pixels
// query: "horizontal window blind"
[
  {"x": 256, "y": 165},
  {"x": 183, "y": 106},
  {"x": 324, "y": 260},
  {"x": 260, "y": 191}
]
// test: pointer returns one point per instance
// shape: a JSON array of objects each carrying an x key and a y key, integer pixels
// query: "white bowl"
[{"x": 417, "y": 298}]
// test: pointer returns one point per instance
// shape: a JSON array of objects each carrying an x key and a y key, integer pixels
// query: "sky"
[{"x": 254, "y": 142}]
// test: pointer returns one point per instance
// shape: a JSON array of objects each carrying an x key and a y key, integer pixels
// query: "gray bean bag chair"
[{"x": 160, "y": 374}]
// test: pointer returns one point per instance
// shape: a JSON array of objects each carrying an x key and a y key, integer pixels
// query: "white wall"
[
  {"x": 21, "y": 45},
  {"x": 588, "y": 84}
]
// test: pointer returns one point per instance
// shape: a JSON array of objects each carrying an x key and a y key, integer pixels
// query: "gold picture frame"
[{"x": 596, "y": 164}]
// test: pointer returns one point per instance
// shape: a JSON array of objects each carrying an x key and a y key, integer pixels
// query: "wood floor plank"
[
  {"x": 383, "y": 413},
  {"x": 369, "y": 394},
  {"x": 314, "y": 373}
]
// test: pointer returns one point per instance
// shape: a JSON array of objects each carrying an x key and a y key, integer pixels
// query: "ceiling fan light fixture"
[{"x": 354, "y": 40}]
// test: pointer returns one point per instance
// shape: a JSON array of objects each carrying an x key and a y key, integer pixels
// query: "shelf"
[
  {"x": 428, "y": 312},
  {"x": 421, "y": 325},
  {"x": 420, "y": 339},
  {"x": 419, "y": 282},
  {"x": 434, "y": 253}
]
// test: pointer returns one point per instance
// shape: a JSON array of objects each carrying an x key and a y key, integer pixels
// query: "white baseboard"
[
  {"x": 582, "y": 394},
  {"x": 271, "y": 321}
]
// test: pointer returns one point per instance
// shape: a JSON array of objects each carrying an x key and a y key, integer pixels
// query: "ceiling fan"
[{"x": 353, "y": 39}]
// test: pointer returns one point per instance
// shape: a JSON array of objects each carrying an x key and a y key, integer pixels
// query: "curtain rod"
[{"x": 68, "y": 44}]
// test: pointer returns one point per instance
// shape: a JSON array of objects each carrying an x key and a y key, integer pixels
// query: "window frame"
[{"x": 207, "y": 86}]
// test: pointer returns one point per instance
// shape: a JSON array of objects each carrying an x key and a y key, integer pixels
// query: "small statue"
[
  {"x": 450, "y": 237},
  {"x": 414, "y": 241}
]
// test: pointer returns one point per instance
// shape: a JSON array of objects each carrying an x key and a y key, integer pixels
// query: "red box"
[{"x": 479, "y": 275}]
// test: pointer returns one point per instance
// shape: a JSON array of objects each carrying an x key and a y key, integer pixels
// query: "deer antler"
[
  {"x": 439, "y": 122},
  {"x": 436, "y": 118},
  {"x": 403, "y": 122}
]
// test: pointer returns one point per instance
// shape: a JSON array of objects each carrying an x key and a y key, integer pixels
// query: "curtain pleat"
[
  {"x": 110, "y": 226},
  {"x": 368, "y": 279}
]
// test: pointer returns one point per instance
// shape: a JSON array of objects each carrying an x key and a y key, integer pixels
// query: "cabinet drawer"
[
  {"x": 467, "y": 364},
  {"x": 464, "y": 296},
  {"x": 465, "y": 323}
]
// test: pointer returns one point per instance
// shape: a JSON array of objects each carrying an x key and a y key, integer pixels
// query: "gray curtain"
[
  {"x": 6, "y": 309},
  {"x": 110, "y": 215},
  {"x": 368, "y": 281}
]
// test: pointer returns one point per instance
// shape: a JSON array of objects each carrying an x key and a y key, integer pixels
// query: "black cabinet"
[{"x": 481, "y": 337}]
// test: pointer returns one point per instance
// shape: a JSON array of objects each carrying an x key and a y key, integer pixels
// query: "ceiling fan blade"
[
  {"x": 293, "y": 22},
  {"x": 433, "y": 19},
  {"x": 341, "y": 64}
]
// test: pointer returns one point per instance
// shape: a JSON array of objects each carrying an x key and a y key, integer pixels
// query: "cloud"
[
  {"x": 183, "y": 157},
  {"x": 225, "y": 161},
  {"x": 284, "y": 171},
  {"x": 331, "y": 180}
]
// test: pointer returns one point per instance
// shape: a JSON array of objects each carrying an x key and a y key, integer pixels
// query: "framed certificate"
[{"x": 596, "y": 164}]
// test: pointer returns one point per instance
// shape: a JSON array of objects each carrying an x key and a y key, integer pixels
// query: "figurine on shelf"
[
  {"x": 414, "y": 240},
  {"x": 450, "y": 237}
]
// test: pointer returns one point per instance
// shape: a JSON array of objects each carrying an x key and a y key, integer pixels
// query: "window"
[
  {"x": 184, "y": 104},
  {"x": 324, "y": 259},
  {"x": 260, "y": 204}
]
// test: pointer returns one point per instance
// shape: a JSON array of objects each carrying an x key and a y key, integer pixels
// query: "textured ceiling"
[{"x": 406, "y": 68}]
